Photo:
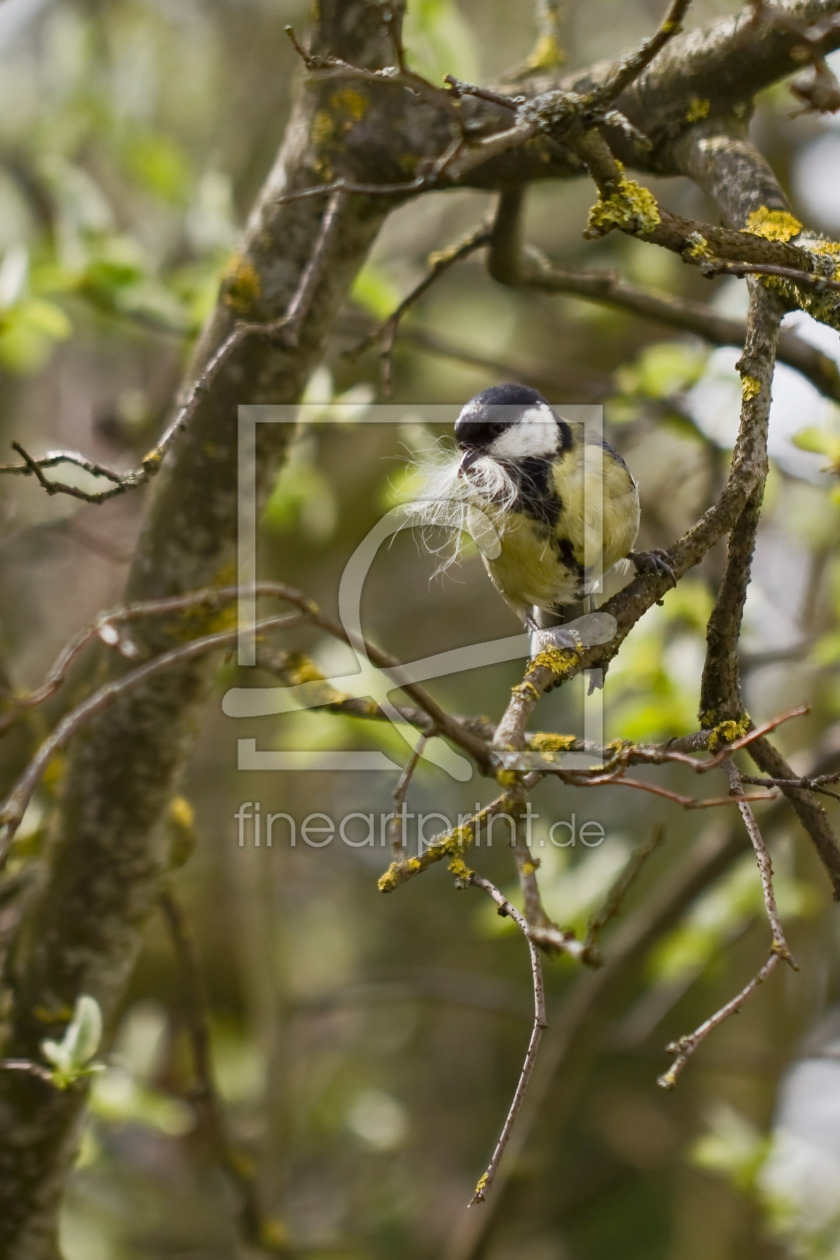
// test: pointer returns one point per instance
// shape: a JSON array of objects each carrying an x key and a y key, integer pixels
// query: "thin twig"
[
  {"x": 510, "y": 911},
  {"x": 103, "y": 628},
  {"x": 407, "y": 188},
  {"x": 448, "y": 845},
  {"x": 28, "y": 1067},
  {"x": 313, "y": 272},
  {"x": 605, "y": 288},
  {"x": 526, "y": 869},
  {"x": 400, "y": 76},
  {"x": 685, "y": 1047},
  {"x": 570, "y": 1048},
  {"x": 284, "y": 331},
  {"x": 396, "y": 826},
  {"x": 14, "y": 806},
  {"x": 762, "y": 857},
  {"x": 551, "y": 379},
  {"x": 120, "y": 483},
  {"x": 550, "y": 16},
  {"x": 754, "y": 734},
  {"x": 686, "y": 802},
  {"x": 211, "y": 597},
  {"x": 628, "y": 70},
  {"x": 627, "y": 876},
  {"x": 12, "y": 810},
  {"x": 254, "y": 1226},
  {"x": 460, "y": 87},
  {"x": 287, "y": 666},
  {"x": 617, "y": 779},
  {"x": 810, "y": 279},
  {"x": 810, "y": 785},
  {"x": 386, "y": 332},
  {"x": 460, "y": 733},
  {"x": 808, "y": 809},
  {"x": 36, "y": 467},
  {"x": 427, "y": 180}
]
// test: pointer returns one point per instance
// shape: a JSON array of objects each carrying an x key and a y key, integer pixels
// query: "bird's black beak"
[{"x": 467, "y": 460}]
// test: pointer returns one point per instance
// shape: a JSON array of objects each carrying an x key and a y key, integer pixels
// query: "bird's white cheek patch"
[{"x": 533, "y": 435}]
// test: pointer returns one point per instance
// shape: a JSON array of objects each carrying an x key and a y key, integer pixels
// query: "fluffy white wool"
[{"x": 472, "y": 506}]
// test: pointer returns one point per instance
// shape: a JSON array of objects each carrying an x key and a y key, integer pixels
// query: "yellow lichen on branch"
[
  {"x": 773, "y": 225},
  {"x": 547, "y": 742},
  {"x": 726, "y": 732},
  {"x": 453, "y": 845},
  {"x": 547, "y": 55},
  {"x": 241, "y": 287},
  {"x": 630, "y": 207},
  {"x": 698, "y": 109}
]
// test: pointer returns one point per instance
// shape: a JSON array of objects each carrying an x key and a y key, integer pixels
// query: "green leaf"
[
  {"x": 109, "y": 274},
  {"x": 663, "y": 369},
  {"x": 826, "y": 651},
  {"x": 45, "y": 317},
  {"x": 160, "y": 166},
  {"x": 85, "y": 1030},
  {"x": 304, "y": 499},
  {"x": 14, "y": 274},
  {"x": 811, "y": 439},
  {"x": 732, "y": 1146},
  {"x": 120, "y": 1099},
  {"x": 820, "y": 442},
  {"x": 374, "y": 292},
  {"x": 691, "y": 602},
  {"x": 439, "y": 41},
  {"x": 22, "y": 349},
  {"x": 718, "y": 913},
  {"x": 71, "y": 1057}
]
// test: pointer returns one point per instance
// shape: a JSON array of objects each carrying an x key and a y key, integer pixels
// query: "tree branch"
[
  {"x": 765, "y": 866},
  {"x": 81, "y": 933},
  {"x": 509, "y": 911},
  {"x": 686, "y": 1046},
  {"x": 515, "y": 264},
  {"x": 261, "y": 1233}
]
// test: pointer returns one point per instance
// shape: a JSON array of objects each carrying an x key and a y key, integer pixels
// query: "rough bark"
[{"x": 108, "y": 853}]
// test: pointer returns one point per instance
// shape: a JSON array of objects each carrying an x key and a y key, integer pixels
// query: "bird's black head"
[{"x": 509, "y": 422}]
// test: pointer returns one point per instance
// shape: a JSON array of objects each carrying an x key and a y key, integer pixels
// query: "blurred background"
[{"x": 366, "y": 1047}]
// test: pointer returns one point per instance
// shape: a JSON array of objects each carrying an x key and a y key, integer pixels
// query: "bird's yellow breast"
[{"x": 543, "y": 562}]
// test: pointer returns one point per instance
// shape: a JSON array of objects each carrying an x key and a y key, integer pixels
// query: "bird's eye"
[{"x": 478, "y": 433}]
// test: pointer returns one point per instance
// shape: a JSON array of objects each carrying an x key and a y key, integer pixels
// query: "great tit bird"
[{"x": 551, "y": 508}]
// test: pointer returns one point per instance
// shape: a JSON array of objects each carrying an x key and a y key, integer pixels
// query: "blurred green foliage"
[{"x": 366, "y": 1047}]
